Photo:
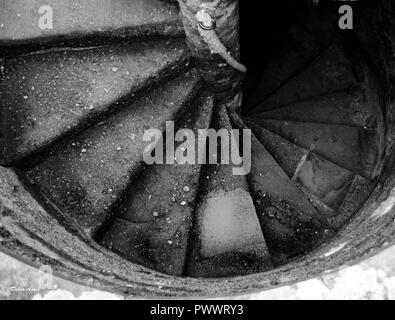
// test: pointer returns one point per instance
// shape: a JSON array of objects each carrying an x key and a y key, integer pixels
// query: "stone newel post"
[{"x": 212, "y": 30}]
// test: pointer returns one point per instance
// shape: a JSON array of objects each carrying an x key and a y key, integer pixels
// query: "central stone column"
[{"x": 212, "y": 31}]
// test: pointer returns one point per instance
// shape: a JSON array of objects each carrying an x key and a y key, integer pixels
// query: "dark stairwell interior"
[{"x": 317, "y": 100}]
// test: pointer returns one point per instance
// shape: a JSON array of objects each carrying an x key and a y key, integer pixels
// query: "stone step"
[
  {"x": 355, "y": 149},
  {"x": 358, "y": 194},
  {"x": 290, "y": 224},
  {"x": 328, "y": 182},
  {"x": 154, "y": 224},
  {"x": 51, "y": 95},
  {"x": 334, "y": 191},
  {"x": 86, "y": 176},
  {"x": 329, "y": 72},
  {"x": 299, "y": 48},
  {"x": 228, "y": 236},
  {"x": 353, "y": 107},
  {"x": 86, "y": 22}
]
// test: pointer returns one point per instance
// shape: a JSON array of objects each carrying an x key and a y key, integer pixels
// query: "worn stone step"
[
  {"x": 327, "y": 181},
  {"x": 358, "y": 194},
  {"x": 291, "y": 225},
  {"x": 86, "y": 176},
  {"x": 228, "y": 238},
  {"x": 321, "y": 207},
  {"x": 298, "y": 49},
  {"x": 353, "y": 107},
  {"x": 48, "y": 96},
  {"x": 153, "y": 227},
  {"x": 329, "y": 72},
  {"x": 86, "y": 21},
  {"x": 353, "y": 148}
]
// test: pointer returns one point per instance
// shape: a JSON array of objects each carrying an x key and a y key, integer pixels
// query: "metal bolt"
[{"x": 205, "y": 21}]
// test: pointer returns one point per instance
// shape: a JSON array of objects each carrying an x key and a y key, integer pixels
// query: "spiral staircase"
[{"x": 77, "y": 100}]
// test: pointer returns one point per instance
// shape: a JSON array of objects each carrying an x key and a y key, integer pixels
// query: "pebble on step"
[
  {"x": 290, "y": 224},
  {"x": 87, "y": 175},
  {"x": 47, "y": 96},
  {"x": 228, "y": 239},
  {"x": 154, "y": 226},
  {"x": 78, "y": 19}
]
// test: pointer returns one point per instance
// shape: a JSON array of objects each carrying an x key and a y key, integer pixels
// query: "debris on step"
[
  {"x": 290, "y": 224},
  {"x": 86, "y": 175},
  {"x": 48, "y": 96},
  {"x": 228, "y": 227},
  {"x": 86, "y": 22},
  {"x": 228, "y": 239},
  {"x": 158, "y": 231}
]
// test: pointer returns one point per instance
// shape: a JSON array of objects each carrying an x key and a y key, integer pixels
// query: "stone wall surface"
[{"x": 372, "y": 279}]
